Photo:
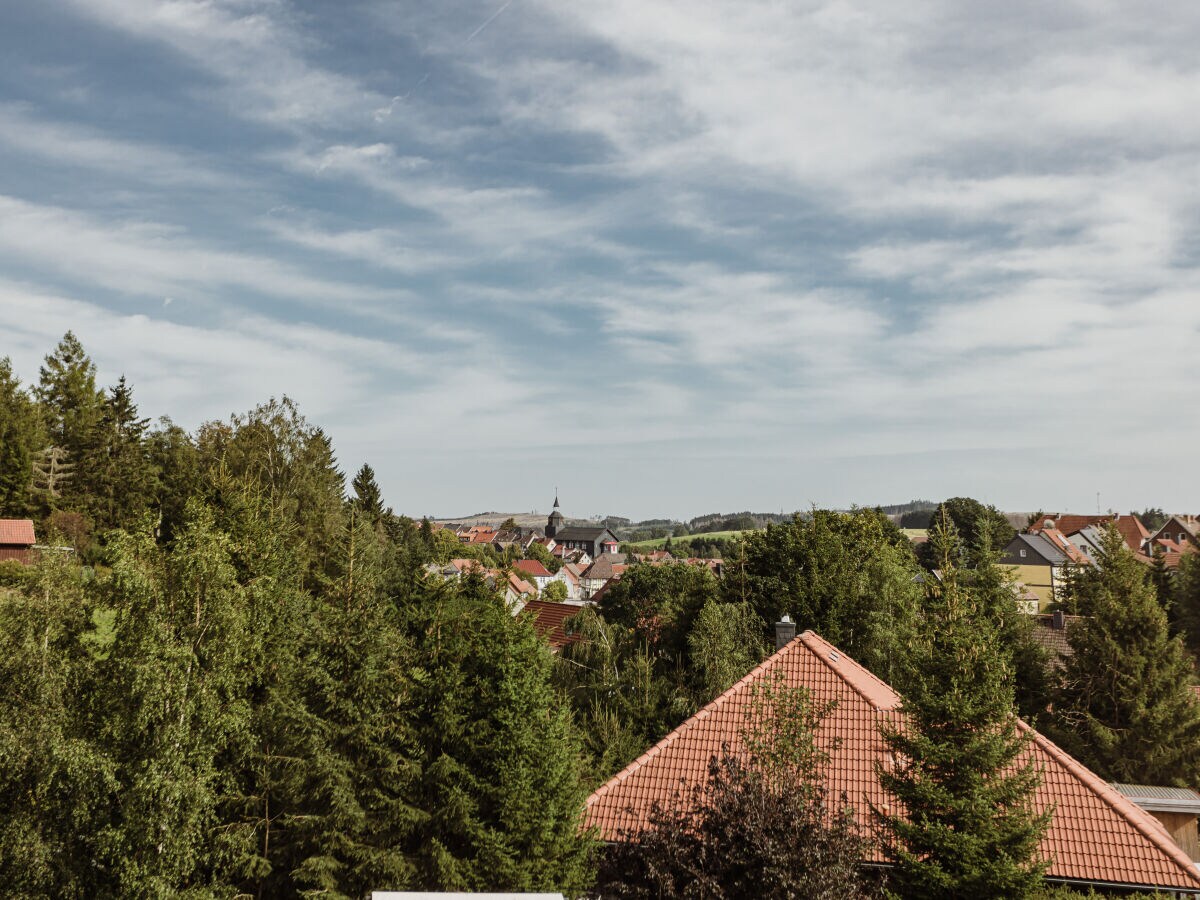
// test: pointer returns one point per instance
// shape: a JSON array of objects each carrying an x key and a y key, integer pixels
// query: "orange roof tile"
[
  {"x": 1097, "y": 835},
  {"x": 1131, "y": 527},
  {"x": 17, "y": 531},
  {"x": 549, "y": 620},
  {"x": 532, "y": 567}
]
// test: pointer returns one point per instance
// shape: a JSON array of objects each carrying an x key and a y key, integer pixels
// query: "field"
[{"x": 657, "y": 543}]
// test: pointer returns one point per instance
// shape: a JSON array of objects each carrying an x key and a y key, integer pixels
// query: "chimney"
[
  {"x": 1058, "y": 620},
  {"x": 785, "y": 630}
]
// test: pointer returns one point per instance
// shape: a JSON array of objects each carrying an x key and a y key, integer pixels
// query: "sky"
[{"x": 669, "y": 258}]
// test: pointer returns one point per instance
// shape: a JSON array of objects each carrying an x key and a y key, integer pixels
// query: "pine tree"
[
  {"x": 500, "y": 791},
  {"x": 71, "y": 408},
  {"x": 965, "y": 827},
  {"x": 992, "y": 587},
  {"x": 362, "y": 762},
  {"x": 1126, "y": 708},
  {"x": 118, "y": 466},
  {"x": 20, "y": 440},
  {"x": 367, "y": 495}
]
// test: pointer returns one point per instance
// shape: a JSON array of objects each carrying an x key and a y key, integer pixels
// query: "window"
[
  {"x": 1022, "y": 553},
  {"x": 1182, "y": 537}
]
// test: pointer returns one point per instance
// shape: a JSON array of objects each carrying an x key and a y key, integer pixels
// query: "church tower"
[{"x": 556, "y": 520}]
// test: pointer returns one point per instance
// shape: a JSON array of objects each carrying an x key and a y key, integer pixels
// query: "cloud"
[
  {"x": 152, "y": 258},
  {"x": 73, "y": 145}
]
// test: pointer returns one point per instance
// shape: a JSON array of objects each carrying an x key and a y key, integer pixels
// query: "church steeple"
[{"x": 556, "y": 520}]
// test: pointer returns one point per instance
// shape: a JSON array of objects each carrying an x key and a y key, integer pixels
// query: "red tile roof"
[
  {"x": 1097, "y": 835},
  {"x": 520, "y": 585},
  {"x": 1131, "y": 527},
  {"x": 18, "y": 532},
  {"x": 532, "y": 567},
  {"x": 549, "y": 620}
]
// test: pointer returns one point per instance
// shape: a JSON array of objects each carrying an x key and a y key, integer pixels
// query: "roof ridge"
[
  {"x": 703, "y": 713},
  {"x": 1118, "y": 802},
  {"x": 828, "y": 663}
]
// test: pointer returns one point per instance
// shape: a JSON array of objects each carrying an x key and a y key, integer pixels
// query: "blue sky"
[{"x": 672, "y": 257}]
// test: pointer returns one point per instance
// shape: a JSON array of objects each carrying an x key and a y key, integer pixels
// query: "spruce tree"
[
  {"x": 964, "y": 826},
  {"x": 500, "y": 792},
  {"x": 71, "y": 406},
  {"x": 20, "y": 440},
  {"x": 118, "y": 467},
  {"x": 367, "y": 495},
  {"x": 1126, "y": 707}
]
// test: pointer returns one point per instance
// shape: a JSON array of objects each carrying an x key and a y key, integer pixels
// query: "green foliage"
[
  {"x": 499, "y": 791},
  {"x": 1125, "y": 708},
  {"x": 966, "y": 826},
  {"x": 71, "y": 407},
  {"x": 554, "y": 592},
  {"x": 724, "y": 644},
  {"x": 116, "y": 470},
  {"x": 367, "y": 495},
  {"x": 57, "y": 785},
  {"x": 20, "y": 439},
  {"x": 274, "y": 452},
  {"x": 544, "y": 556},
  {"x": 978, "y": 526},
  {"x": 848, "y": 576},
  {"x": 759, "y": 827}
]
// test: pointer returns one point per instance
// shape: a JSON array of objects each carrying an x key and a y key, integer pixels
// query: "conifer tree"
[
  {"x": 500, "y": 792},
  {"x": 361, "y": 761},
  {"x": 120, "y": 479},
  {"x": 20, "y": 440},
  {"x": 1125, "y": 707},
  {"x": 992, "y": 587},
  {"x": 367, "y": 495},
  {"x": 70, "y": 407},
  {"x": 965, "y": 827}
]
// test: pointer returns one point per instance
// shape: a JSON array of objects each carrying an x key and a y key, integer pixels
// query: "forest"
[{"x": 229, "y": 674}]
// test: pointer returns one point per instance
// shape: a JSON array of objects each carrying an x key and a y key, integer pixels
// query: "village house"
[
  {"x": 532, "y": 569},
  {"x": 1178, "y": 536},
  {"x": 607, "y": 567},
  {"x": 16, "y": 540},
  {"x": 1040, "y": 563},
  {"x": 1098, "y": 837},
  {"x": 1132, "y": 530}
]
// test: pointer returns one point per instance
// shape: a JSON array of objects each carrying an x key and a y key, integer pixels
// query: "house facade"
[{"x": 1039, "y": 564}]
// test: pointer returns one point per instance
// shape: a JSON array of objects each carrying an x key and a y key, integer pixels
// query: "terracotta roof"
[
  {"x": 549, "y": 621},
  {"x": 1096, "y": 836},
  {"x": 1131, "y": 527},
  {"x": 17, "y": 531},
  {"x": 520, "y": 585},
  {"x": 532, "y": 567}
]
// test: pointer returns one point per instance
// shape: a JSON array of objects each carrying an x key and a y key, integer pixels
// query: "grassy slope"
[{"x": 657, "y": 543}]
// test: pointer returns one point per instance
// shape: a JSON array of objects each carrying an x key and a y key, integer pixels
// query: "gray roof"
[
  {"x": 1035, "y": 543},
  {"x": 1161, "y": 799},
  {"x": 582, "y": 533}
]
